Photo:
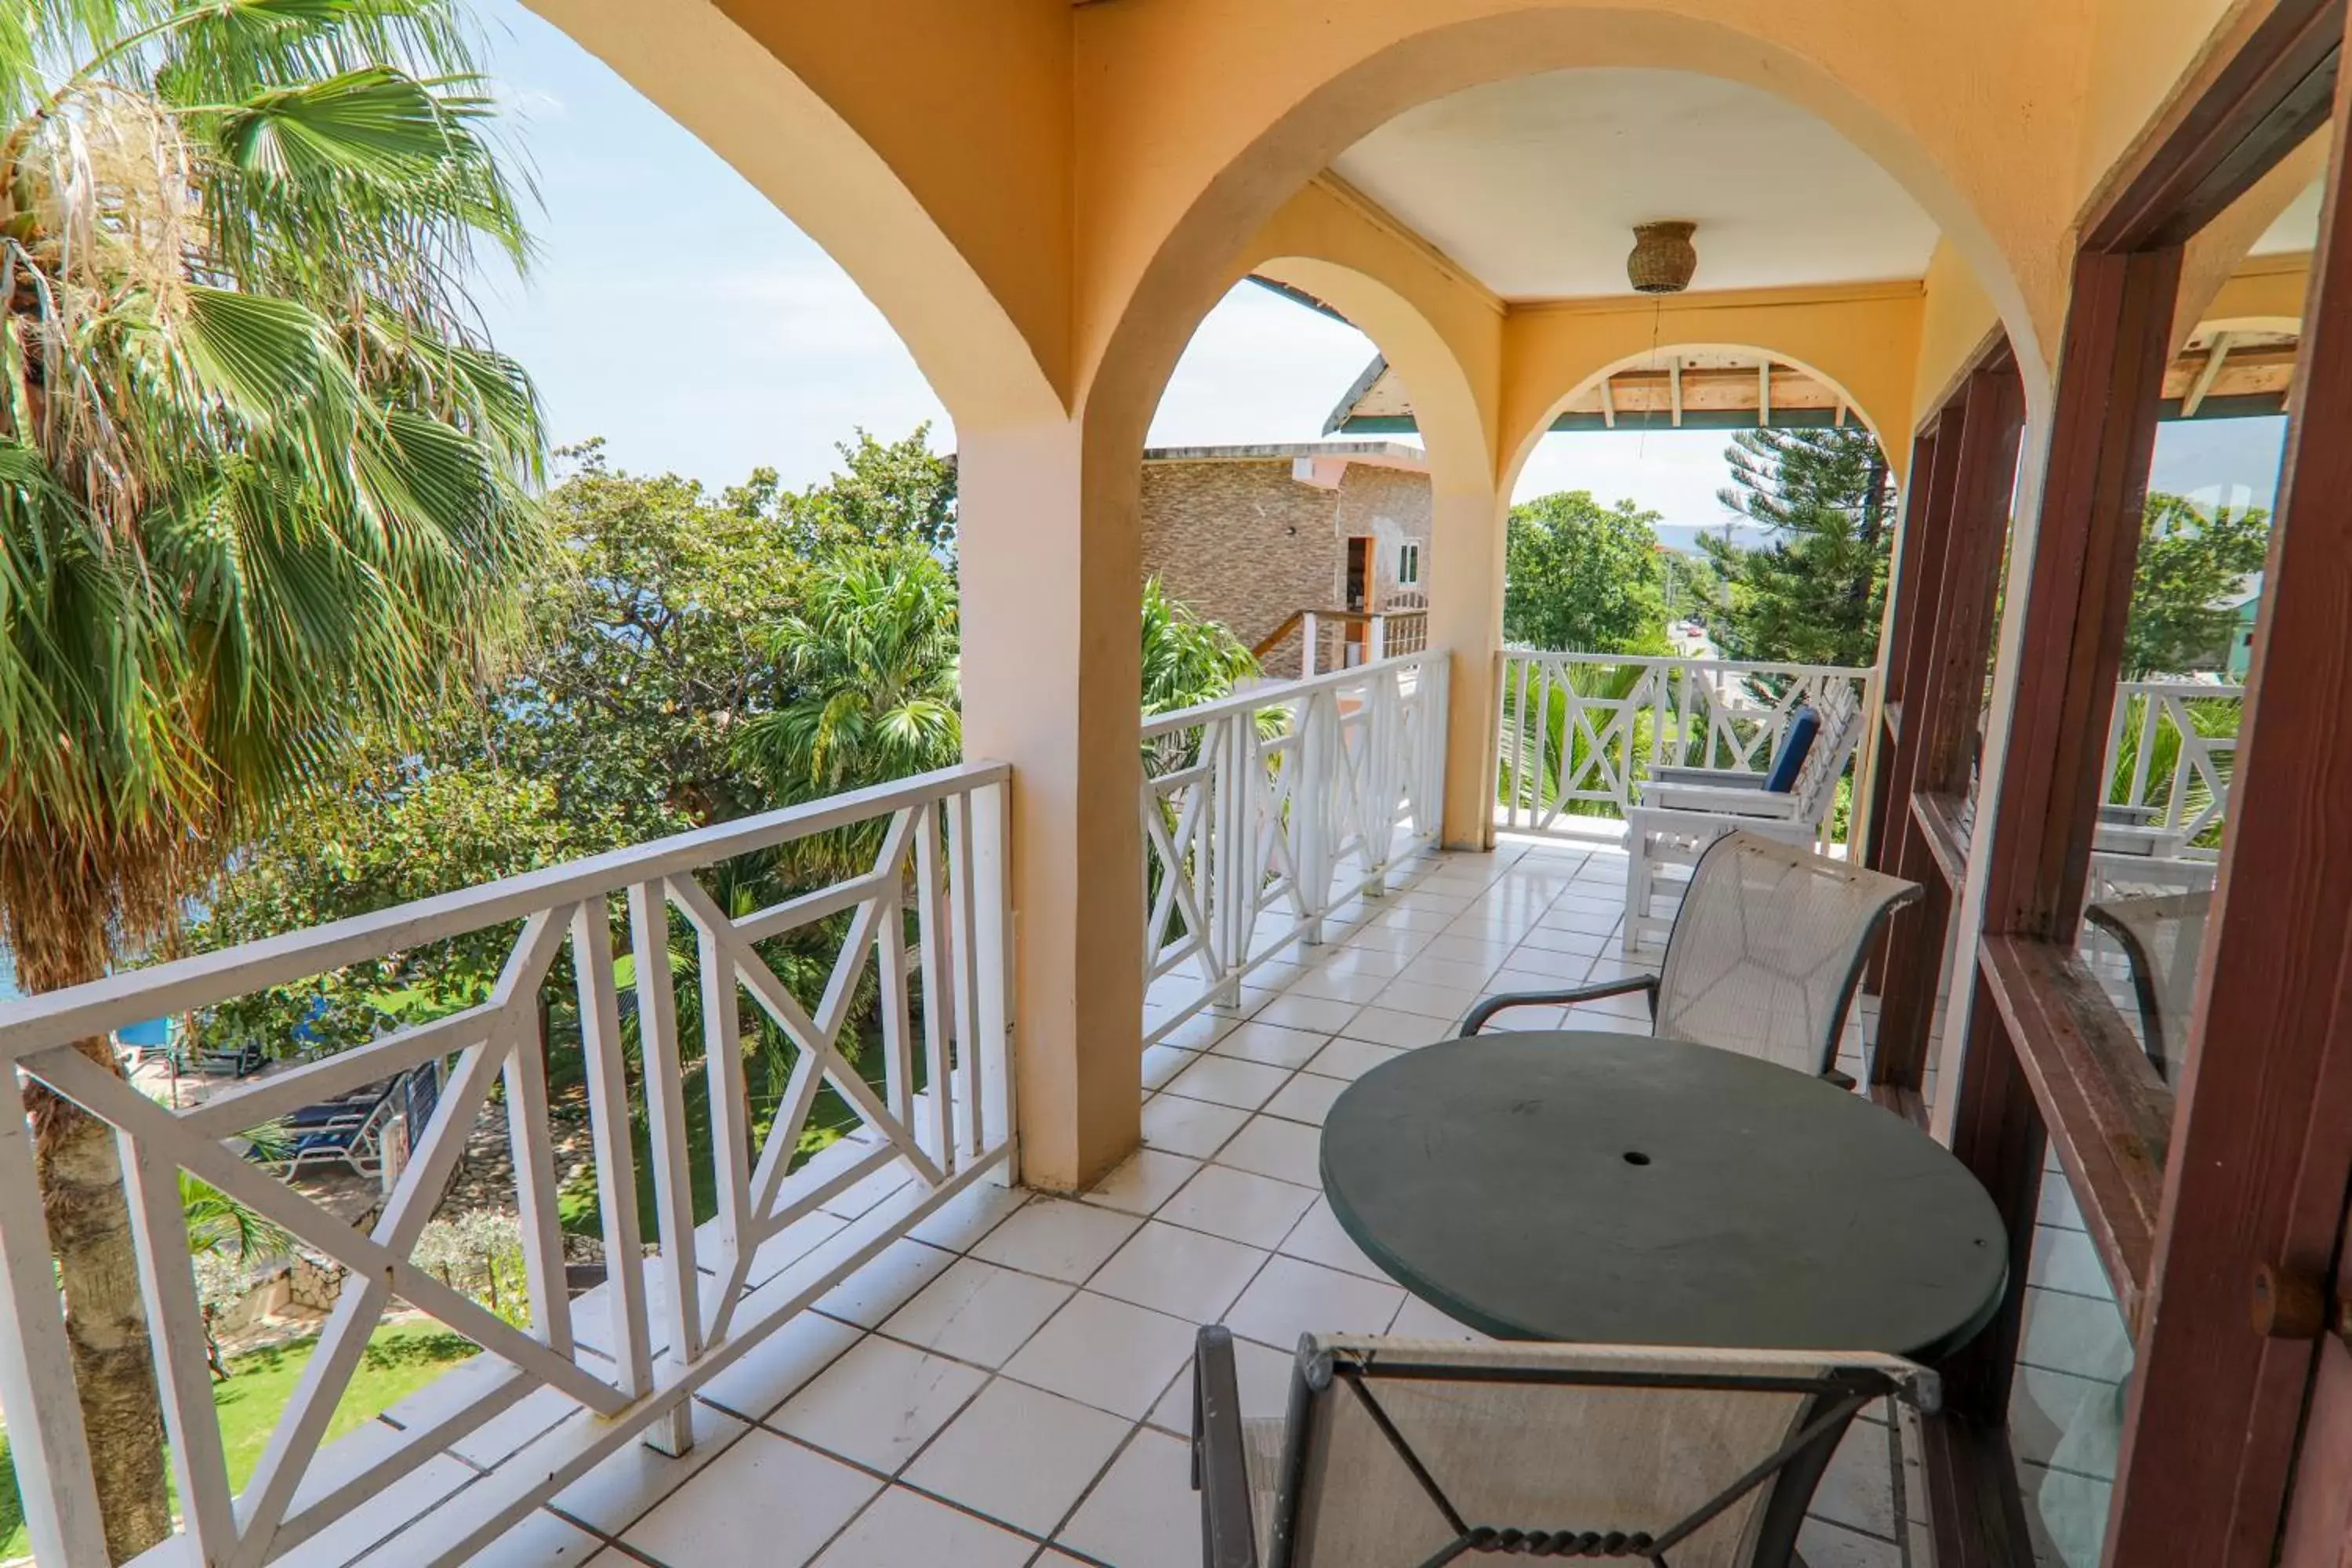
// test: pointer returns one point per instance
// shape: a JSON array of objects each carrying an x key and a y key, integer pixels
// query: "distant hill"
[{"x": 1684, "y": 536}]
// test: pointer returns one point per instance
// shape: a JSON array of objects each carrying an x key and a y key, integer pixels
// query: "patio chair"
[
  {"x": 1399, "y": 1452},
  {"x": 2160, "y": 936},
  {"x": 1764, "y": 957},
  {"x": 1684, "y": 810}
]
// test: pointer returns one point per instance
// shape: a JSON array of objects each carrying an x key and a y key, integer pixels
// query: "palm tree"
[
  {"x": 870, "y": 657},
  {"x": 261, "y": 486},
  {"x": 1187, "y": 659}
]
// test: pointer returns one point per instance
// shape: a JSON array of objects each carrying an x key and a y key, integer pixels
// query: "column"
[
  {"x": 1466, "y": 615},
  {"x": 1051, "y": 566}
]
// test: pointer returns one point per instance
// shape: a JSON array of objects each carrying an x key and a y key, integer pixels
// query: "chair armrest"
[
  {"x": 1723, "y": 802},
  {"x": 1219, "y": 1463},
  {"x": 1720, "y": 778},
  {"x": 1475, "y": 1019}
]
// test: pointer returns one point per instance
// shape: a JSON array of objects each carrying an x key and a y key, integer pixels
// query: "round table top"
[{"x": 1617, "y": 1189}]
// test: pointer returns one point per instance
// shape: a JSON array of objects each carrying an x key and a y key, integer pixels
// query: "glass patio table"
[{"x": 1619, "y": 1189}]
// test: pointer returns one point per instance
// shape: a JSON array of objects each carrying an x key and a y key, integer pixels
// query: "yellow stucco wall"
[
  {"x": 1861, "y": 339},
  {"x": 1956, "y": 320},
  {"x": 1045, "y": 200}
]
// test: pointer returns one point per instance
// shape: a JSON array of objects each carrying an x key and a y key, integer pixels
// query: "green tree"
[
  {"x": 1815, "y": 593},
  {"x": 888, "y": 493},
  {"x": 870, "y": 654},
  {"x": 1582, "y": 577},
  {"x": 2190, "y": 559},
  {"x": 645, "y": 649},
  {"x": 259, "y": 486},
  {"x": 1187, "y": 658}
]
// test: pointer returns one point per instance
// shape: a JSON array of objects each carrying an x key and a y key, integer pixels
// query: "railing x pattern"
[
  {"x": 2171, "y": 746},
  {"x": 1584, "y": 729},
  {"x": 1267, "y": 810},
  {"x": 620, "y": 1358}
]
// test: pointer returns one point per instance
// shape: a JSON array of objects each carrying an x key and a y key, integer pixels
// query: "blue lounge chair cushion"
[{"x": 1804, "y": 726}]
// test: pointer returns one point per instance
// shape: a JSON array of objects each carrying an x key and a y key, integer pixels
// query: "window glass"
[{"x": 2073, "y": 1371}]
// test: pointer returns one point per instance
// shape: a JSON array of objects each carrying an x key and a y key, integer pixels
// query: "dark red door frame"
[
  {"x": 2262, "y": 1156},
  {"x": 1947, "y": 622},
  {"x": 2258, "y": 1164}
]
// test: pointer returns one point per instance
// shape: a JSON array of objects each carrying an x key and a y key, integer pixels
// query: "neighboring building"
[
  {"x": 2247, "y": 602},
  {"x": 1250, "y": 536}
]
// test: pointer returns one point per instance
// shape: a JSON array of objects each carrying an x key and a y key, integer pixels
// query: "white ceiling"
[{"x": 1535, "y": 184}]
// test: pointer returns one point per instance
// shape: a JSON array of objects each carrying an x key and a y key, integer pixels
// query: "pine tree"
[{"x": 1815, "y": 592}]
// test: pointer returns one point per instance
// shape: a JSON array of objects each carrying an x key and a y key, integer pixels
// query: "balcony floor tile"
[
  {"x": 1020, "y": 1455},
  {"x": 765, "y": 1500}
]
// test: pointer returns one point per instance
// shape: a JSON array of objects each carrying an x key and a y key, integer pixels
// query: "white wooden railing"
[
  {"x": 2170, "y": 748},
  {"x": 1265, "y": 811},
  {"x": 623, "y": 1358},
  {"x": 1584, "y": 729}
]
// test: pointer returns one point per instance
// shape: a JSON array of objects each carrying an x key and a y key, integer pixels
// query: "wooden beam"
[
  {"x": 1978, "y": 1517},
  {"x": 1998, "y": 1133},
  {"x": 1674, "y": 387},
  {"x": 2217, "y": 355},
  {"x": 1915, "y": 549},
  {"x": 2109, "y": 1129},
  {"x": 2103, "y": 434},
  {"x": 1985, "y": 484},
  {"x": 2262, "y": 88},
  {"x": 2263, "y": 1153},
  {"x": 1943, "y": 685},
  {"x": 1608, "y": 406},
  {"x": 1764, "y": 394}
]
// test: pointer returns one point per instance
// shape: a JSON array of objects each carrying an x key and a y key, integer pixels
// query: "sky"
[
  {"x": 736, "y": 343},
  {"x": 675, "y": 312}
]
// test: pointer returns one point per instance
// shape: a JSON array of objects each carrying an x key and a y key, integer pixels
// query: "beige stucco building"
[{"x": 1255, "y": 537}]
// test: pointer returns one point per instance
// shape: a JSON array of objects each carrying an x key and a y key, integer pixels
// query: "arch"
[
  {"x": 786, "y": 139},
  {"x": 1878, "y": 423},
  {"x": 1455, "y": 427},
  {"x": 1177, "y": 270}
]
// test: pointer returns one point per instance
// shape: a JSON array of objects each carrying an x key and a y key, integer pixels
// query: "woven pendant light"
[{"x": 1664, "y": 258}]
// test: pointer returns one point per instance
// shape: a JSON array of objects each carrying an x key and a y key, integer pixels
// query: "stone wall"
[{"x": 1246, "y": 543}]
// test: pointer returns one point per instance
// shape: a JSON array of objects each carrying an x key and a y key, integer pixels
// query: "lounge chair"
[
  {"x": 1764, "y": 956},
  {"x": 1684, "y": 810},
  {"x": 1399, "y": 1453}
]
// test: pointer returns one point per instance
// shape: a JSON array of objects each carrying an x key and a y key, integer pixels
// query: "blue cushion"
[{"x": 1795, "y": 747}]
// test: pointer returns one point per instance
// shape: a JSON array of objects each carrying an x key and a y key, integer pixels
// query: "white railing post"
[
  {"x": 1383, "y": 733},
  {"x": 1309, "y": 814},
  {"x": 995, "y": 955},
  {"x": 1433, "y": 690},
  {"x": 1309, "y": 639},
  {"x": 1232, "y": 887},
  {"x": 1376, "y": 640}
]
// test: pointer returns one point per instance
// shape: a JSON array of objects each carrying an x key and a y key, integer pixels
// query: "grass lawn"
[{"x": 401, "y": 1359}]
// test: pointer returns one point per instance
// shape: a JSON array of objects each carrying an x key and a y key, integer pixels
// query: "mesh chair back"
[
  {"x": 2160, "y": 935},
  {"x": 1767, "y": 950},
  {"x": 1397, "y": 1450}
]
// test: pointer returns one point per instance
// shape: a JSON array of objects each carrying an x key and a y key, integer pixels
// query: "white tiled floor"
[{"x": 1010, "y": 1387}]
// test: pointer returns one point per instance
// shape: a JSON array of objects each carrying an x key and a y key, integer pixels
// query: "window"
[{"x": 1408, "y": 572}]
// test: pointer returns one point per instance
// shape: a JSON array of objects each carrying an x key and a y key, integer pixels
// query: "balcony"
[
  {"x": 923, "y": 1359},
  {"x": 1004, "y": 1382}
]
